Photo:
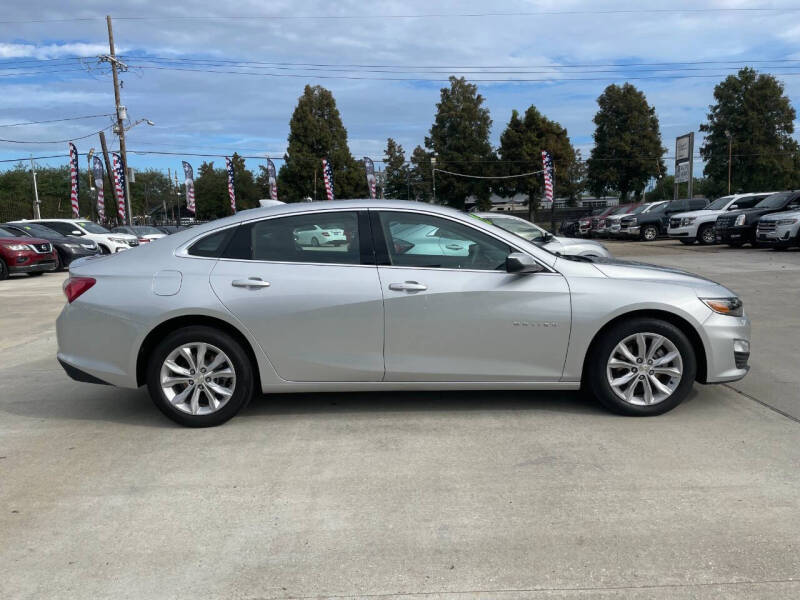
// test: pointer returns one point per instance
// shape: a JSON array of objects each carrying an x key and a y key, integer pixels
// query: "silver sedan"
[
  {"x": 537, "y": 235},
  {"x": 207, "y": 317}
]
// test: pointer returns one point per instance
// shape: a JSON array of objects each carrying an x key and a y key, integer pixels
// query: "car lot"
[{"x": 454, "y": 495}]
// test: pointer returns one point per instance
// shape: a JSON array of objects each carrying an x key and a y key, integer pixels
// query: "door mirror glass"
[
  {"x": 733, "y": 207},
  {"x": 517, "y": 262},
  {"x": 76, "y": 232}
]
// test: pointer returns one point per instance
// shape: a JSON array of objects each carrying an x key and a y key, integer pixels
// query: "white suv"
[
  {"x": 109, "y": 243},
  {"x": 779, "y": 230},
  {"x": 698, "y": 225}
]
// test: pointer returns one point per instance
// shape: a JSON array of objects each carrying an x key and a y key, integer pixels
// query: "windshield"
[
  {"x": 640, "y": 209},
  {"x": 36, "y": 230},
  {"x": 147, "y": 230},
  {"x": 92, "y": 227},
  {"x": 719, "y": 203},
  {"x": 654, "y": 206},
  {"x": 774, "y": 201},
  {"x": 528, "y": 231},
  {"x": 621, "y": 210}
]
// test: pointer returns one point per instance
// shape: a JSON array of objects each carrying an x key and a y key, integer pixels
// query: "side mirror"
[
  {"x": 76, "y": 232},
  {"x": 517, "y": 262},
  {"x": 733, "y": 207}
]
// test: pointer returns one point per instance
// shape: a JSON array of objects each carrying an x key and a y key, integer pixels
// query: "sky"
[{"x": 217, "y": 78}]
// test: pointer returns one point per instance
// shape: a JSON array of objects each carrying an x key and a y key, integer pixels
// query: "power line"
[
  {"x": 72, "y": 139},
  {"x": 58, "y": 120},
  {"x": 441, "y": 15}
]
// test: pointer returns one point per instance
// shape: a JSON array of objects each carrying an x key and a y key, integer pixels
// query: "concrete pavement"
[{"x": 415, "y": 495}]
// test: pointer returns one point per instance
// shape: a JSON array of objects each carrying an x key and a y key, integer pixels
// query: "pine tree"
[
  {"x": 628, "y": 150},
  {"x": 397, "y": 173},
  {"x": 316, "y": 132},
  {"x": 753, "y": 109}
]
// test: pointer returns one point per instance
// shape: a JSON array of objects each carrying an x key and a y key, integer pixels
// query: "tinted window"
[
  {"x": 748, "y": 202},
  {"x": 775, "y": 200},
  {"x": 62, "y": 228},
  {"x": 433, "y": 242},
  {"x": 697, "y": 203},
  {"x": 323, "y": 237},
  {"x": 93, "y": 227},
  {"x": 10, "y": 232},
  {"x": 37, "y": 230},
  {"x": 211, "y": 246}
]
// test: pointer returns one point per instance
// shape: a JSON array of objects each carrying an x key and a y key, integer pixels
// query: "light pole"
[
  {"x": 433, "y": 174},
  {"x": 730, "y": 146}
]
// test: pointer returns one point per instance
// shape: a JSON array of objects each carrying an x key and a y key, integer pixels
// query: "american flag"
[
  {"x": 231, "y": 188},
  {"x": 188, "y": 174},
  {"x": 369, "y": 167},
  {"x": 327, "y": 175},
  {"x": 97, "y": 169},
  {"x": 73, "y": 176},
  {"x": 273, "y": 182},
  {"x": 547, "y": 165},
  {"x": 119, "y": 189}
]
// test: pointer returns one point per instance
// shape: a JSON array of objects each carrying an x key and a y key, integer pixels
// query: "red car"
[{"x": 33, "y": 256}]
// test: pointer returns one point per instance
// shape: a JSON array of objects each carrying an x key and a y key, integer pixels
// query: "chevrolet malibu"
[{"x": 210, "y": 316}]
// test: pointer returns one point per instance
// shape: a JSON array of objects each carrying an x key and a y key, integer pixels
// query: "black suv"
[
  {"x": 738, "y": 227},
  {"x": 650, "y": 224}
]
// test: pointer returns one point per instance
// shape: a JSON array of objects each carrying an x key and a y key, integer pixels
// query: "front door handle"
[
  {"x": 454, "y": 247},
  {"x": 250, "y": 283},
  {"x": 408, "y": 286}
]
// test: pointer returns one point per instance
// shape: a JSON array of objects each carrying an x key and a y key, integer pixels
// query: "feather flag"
[
  {"x": 119, "y": 184},
  {"x": 547, "y": 165},
  {"x": 73, "y": 176},
  {"x": 97, "y": 174},
  {"x": 231, "y": 188},
  {"x": 273, "y": 180},
  {"x": 327, "y": 175},
  {"x": 369, "y": 166},
  {"x": 188, "y": 174}
]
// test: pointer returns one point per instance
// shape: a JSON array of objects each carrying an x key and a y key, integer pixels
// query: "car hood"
[
  {"x": 23, "y": 240},
  {"x": 787, "y": 214},
  {"x": 123, "y": 236},
  {"x": 628, "y": 269},
  {"x": 558, "y": 242},
  {"x": 698, "y": 213}
]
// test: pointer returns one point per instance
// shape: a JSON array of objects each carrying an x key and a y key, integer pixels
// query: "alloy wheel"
[
  {"x": 644, "y": 369},
  {"x": 708, "y": 235},
  {"x": 650, "y": 234},
  {"x": 197, "y": 378}
]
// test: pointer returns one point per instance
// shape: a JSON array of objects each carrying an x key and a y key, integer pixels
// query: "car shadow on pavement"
[{"x": 450, "y": 401}]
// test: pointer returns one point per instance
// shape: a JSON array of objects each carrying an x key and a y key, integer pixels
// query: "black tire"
[
  {"x": 104, "y": 250},
  {"x": 706, "y": 235},
  {"x": 3, "y": 270},
  {"x": 649, "y": 233},
  {"x": 687, "y": 242},
  {"x": 36, "y": 274},
  {"x": 60, "y": 262},
  {"x": 597, "y": 382},
  {"x": 243, "y": 390},
  {"x": 314, "y": 242}
]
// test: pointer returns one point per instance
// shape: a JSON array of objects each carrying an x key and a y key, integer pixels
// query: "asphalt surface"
[{"x": 427, "y": 495}]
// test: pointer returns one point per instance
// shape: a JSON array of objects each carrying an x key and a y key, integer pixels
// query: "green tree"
[
  {"x": 460, "y": 138},
  {"x": 396, "y": 169},
  {"x": 521, "y": 146},
  {"x": 316, "y": 132},
  {"x": 419, "y": 176},
  {"x": 628, "y": 150},
  {"x": 759, "y": 117},
  {"x": 211, "y": 189}
]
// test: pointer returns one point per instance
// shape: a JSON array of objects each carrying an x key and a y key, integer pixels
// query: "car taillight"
[
  {"x": 143, "y": 240},
  {"x": 75, "y": 286}
]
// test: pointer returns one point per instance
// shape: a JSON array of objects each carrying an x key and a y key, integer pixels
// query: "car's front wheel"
[
  {"x": 641, "y": 367},
  {"x": 649, "y": 233},
  {"x": 706, "y": 235},
  {"x": 200, "y": 376}
]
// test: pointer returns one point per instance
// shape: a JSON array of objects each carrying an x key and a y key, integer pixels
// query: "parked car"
[
  {"x": 655, "y": 222},
  {"x": 33, "y": 256},
  {"x": 109, "y": 243},
  {"x": 320, "y": 235},
  {"x": 143, "y": 233},
  {"x": 209, "y": 316},
  {"x": 170, "y": 229},
  {"x": 738, "y": 227},
  {"x": 602, "y": 228},
  {"x": 698, "y": 225},
  {"x": 533, "y": 233},
  {"x": 586, "y": 225},
  {"x": 68, "y": 248},
  {"x": 619, "y": 229},
  {"x": 569, "y": 228},
  {"x": 779, "y": 230}
]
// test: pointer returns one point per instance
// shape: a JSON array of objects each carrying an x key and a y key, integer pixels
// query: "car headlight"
[
  {"x": 633, "y": 221},
  {"x": 732, "y": 307},
  {"x": 18, "y": 247},
  {"x": 117, "y": 240},
  {"x": 740, "y": 220},
  {"x": 73, "y": 246},
  {"x": 688, "y": 220},
  {"x": 786, "y": 221}
]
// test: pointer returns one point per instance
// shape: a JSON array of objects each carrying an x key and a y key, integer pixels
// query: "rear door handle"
[
  {"x": 408, "y": 286},
  {"x": 251, "y": 283}
]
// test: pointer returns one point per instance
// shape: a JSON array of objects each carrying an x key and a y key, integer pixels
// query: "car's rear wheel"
[
  {"x": 36, "y": 274},
  {"x": 641, "y": 367},
  {"x": 104, "y": 249},
  {"x": 200, "y": 376},
  {"x": 3, "y": 270},
  {"x": 706, "y": 235},
  {"x": 649, "y": 233}
]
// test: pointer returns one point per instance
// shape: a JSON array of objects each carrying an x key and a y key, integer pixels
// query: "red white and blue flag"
[
  {"x": 73, "y": 178},
  {"x": 273, "y": 180},
  {"x": 231, "y": 183},
  {"x": 97, "y": 173},
  {"x": 369, "y": 167},
  {"x": 119, "y": 184},
  {"x": 327, "y": 175},
  {"x": 188, "y": 174},
  {"x": 547, "y": 165}
]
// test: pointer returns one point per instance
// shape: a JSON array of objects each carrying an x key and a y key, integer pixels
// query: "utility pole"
[
  {"x": 121, "y": 115},
  {"x": 37, "y": 212},
  {"x": 177, "y": 205},
  {"x": 433, "y": 174},
  {"x": 730, "y": 155}
]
